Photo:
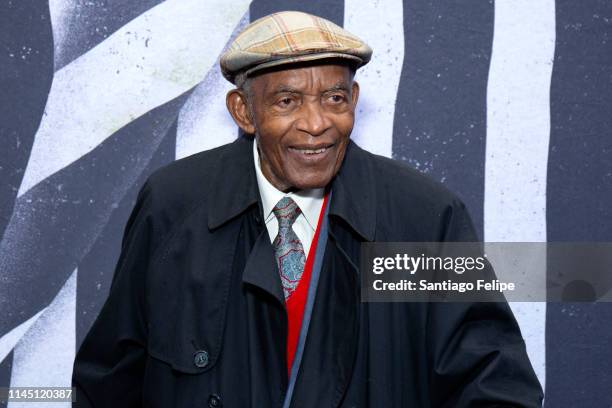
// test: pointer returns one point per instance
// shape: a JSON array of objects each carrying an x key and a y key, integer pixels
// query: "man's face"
[{"x": 303, "y": 118}]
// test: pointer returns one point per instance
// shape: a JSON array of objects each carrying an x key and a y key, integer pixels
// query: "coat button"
[
  {"x": 200, "y": 358},
  {"x": 214, "y": 401}
]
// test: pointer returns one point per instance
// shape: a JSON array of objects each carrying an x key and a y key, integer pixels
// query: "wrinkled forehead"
[{"x": 304, "y": 78}]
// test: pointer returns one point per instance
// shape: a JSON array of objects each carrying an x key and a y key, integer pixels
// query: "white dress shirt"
[{"x": 309, "y": 201}]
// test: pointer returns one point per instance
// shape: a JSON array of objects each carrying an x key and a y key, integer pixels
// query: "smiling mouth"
[{"x": 311, "y": 150}]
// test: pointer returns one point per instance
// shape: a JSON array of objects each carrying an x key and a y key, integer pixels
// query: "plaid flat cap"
[{"x": 289, "y": 37}]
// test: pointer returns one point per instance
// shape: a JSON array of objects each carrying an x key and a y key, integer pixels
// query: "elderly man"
[{"x": 237, "y": 285}]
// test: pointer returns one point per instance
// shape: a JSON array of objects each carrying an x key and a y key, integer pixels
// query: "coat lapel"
[
  {"x": 235, "y": 191},
  {"x": 261, "y": 269},
  {"x": 234, "y": 186},
  {"x": 354, "y": 192}
]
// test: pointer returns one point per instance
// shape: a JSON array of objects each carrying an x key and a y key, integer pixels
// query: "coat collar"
[{"x": 235, "y": 188}]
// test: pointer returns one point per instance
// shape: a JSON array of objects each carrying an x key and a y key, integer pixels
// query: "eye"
[
  {"x": 337, "y": 98},
  {"x": 285, "y": 102}
]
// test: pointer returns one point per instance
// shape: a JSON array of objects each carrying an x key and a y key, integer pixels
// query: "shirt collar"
[
  {"x": 309, "y": 201},
  {"x": 354, "y": 188}
]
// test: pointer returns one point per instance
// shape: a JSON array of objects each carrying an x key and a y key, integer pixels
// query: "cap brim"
[{"x": 304, "y": 58}]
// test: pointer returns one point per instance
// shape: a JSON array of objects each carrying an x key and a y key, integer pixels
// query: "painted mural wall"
[{"x": 508, "y": 103}]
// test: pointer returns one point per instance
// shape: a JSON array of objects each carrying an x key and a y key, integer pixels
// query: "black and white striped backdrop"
[{"x": 509, "y": 103}]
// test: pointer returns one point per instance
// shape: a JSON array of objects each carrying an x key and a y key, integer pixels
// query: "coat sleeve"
[
  {"x": 109, "y": 366},
  {"x": 476, "y": 350}
]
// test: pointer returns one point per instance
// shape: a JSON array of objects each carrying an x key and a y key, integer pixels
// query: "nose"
[{"x": 313, "y": 119}]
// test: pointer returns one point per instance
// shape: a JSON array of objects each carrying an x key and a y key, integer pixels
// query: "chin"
[{"x": 309, "y": 183}]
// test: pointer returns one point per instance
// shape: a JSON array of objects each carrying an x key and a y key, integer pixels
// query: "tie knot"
[{"x": 286, "y": 211}]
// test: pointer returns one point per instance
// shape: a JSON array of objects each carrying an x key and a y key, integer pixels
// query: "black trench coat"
[{"x": 195, "y": 316}]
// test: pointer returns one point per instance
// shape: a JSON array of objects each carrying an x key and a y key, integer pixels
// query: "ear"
[
  {"x": 237, "y": 106},
  {"x": 355, "y": 93}
]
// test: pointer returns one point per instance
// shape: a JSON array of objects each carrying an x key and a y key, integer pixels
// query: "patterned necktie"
[{"x": 287, "y": 246}]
